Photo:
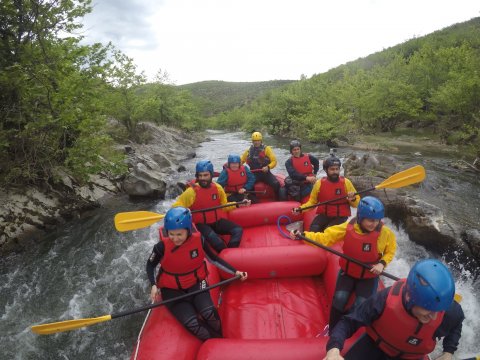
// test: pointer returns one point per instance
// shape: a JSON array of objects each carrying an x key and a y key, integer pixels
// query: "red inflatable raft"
[{"x": 280, "y": 312}]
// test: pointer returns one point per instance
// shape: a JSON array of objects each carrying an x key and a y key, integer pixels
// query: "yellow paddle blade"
[
  {"x": 136, "y": 220},
  {"x": 458, "y": 298},
  {"x": 68, "y": 325},
  {"x": 407, "y": 177}
]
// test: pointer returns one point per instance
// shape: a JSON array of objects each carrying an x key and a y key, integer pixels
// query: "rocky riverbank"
[
  {"x": 426, "y": 224},
  {"x": 30, "y": 213}
]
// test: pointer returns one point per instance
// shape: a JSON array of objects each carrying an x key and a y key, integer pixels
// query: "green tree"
[
  {"x": 166, "y": 104},
  {"x": 51, "y": 87},
  {"x": 124, "y": 103}
]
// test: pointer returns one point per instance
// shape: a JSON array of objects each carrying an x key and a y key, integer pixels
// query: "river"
[{"x": 87, "y": 269}]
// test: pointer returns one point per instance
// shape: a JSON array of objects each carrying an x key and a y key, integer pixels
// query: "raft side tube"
[
  {"x": 277, "y": 261},
  {"x": 264, "y": 214}
]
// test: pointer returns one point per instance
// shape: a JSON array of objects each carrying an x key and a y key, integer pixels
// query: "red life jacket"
[
  {"x": 302, "y": 165},
  {"x": 331, "y": 190},
  {"x": 236, "y": 179},
  {"x": 407, "y": 338},
  {"x": 257, "y": 157},
  {"x": 182, "y": 266},
  {"x": 361, "y": 247},
  {"x": 206, "y": 198}
]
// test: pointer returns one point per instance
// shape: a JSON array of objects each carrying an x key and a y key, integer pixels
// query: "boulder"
[
  {"x": 146, "y": 182},
  {"x": 425, "y": 224},
  {"x": 28, "y": 213}
]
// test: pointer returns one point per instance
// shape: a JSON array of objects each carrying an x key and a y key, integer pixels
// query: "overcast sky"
[{"x": 258, "y": 40}]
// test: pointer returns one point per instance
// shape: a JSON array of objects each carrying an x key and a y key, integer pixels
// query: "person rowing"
[
  {"x": 207, "y": 194},
  {"x": 366, "y": 239},
  {"x": 405, "y": 320},
  {"x": 181, "y": 252}
]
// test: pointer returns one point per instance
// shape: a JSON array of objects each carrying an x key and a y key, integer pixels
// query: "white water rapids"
[{"x": 87, "y": 269}]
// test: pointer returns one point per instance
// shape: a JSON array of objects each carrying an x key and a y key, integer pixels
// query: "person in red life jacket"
[
  {"x": 405, "y": 320},
  {"x": 181, "y": 252},
  {"x": 261, "y": 160},
  {"x": 236, "y": 180},
  {"x": 206, "y": 194},
  {"x": 327, "y": 188},
  {"x": 302, "y": 171},
  {"x": 366, "y": 239}
]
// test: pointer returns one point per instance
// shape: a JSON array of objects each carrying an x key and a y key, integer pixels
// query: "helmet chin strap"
[{"x": 406, "y": 301}]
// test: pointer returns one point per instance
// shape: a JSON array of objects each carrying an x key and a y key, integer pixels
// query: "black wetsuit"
[
  {"x": 186, "y": 311},
  {"x": 364, "y": 314}
]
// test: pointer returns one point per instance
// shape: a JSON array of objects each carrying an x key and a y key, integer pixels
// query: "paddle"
[
  {"x": 407, "y": 177},
  {"x": 263, "y": 192},
  {"x": 458, "y": 297},
  {"x": 133, "y": 220},
  {"x": 256, "y": 170},
  {"x": 349, "y": 258},
  {"x": 68, "y": 325}
]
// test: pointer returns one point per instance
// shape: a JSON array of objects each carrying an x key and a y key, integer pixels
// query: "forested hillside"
[
  {"x": 63, "y": 103},
  {"x": 432, "y": 82},
  {"x": 216, "y": 97}
]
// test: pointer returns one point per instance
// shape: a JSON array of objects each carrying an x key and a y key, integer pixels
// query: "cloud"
[
  {"x": 255, "y": 40},
  {"x": 127, "y": 24}
]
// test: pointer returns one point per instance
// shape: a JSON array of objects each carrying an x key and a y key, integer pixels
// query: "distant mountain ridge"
[{"x": 216, "y": 97}]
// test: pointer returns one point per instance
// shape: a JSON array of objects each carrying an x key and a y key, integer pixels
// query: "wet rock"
[
  {"x": 424, "y": 223},
  {"x": 471, "y": 237},
  {"x": 29, "y": 213},
  {"x": 146, "y": 182},
  {"x": 369, "y": 164}
]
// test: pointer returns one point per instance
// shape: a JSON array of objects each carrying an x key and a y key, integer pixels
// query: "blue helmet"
[
  {"x": 204, "y": 165},
  {"x": 430, "y": 285},
  {"x": 233, "y": 158},
  {"x": 178, "y": 218},
  {"x": 370, "y": 208}
]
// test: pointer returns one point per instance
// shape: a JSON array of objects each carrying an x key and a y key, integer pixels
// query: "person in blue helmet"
[
  {"x": 237, "y": 180},
  {"x": 205, "y": 194},
  {"x": 365, "y": 238},
  {"x": 182, "y": 252},
  {"x": 422, "y": 310}
]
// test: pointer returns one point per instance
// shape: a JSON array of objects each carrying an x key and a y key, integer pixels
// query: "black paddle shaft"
[
  {"x": 218, "y": 207},
  {"x": 336, "y": 199},
  {"x": 193, "y": 293},
  {"x": 349, "y": 258}
]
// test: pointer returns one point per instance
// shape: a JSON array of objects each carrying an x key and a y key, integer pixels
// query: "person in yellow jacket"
[
  {"x": 332, "y": 186},
  {"x": 366, "y": 239},
  {"x": 207, "y": 194},
  {"x": 261, "y": 159}
]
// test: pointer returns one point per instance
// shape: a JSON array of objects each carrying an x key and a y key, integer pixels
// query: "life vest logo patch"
[
  {"x": 414, "y": 341},
  {"x": 305, "y": 163},
  {"x": 242, "y": 173},
  {"x": 367, "y": 247},
  {"x": 338, "y": 191},
  {"x": 214, "y": 196},
  {"x": 193, "y": 253}
]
